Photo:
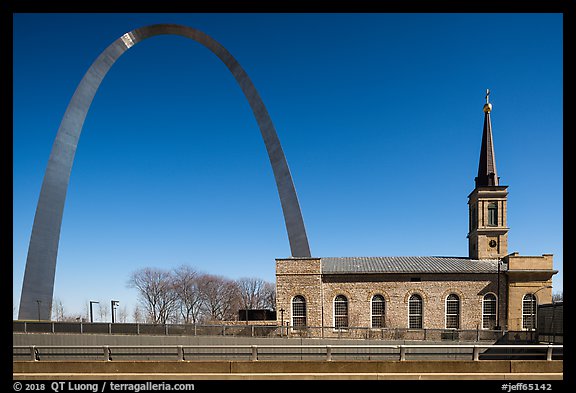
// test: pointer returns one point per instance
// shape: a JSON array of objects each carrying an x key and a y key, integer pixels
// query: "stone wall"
[
  {"x": 298, "y": 277},
  {"x": 302, "y": 277},
  {"x": 397, "y": 289},
  {"x": 527, "y": 275}
]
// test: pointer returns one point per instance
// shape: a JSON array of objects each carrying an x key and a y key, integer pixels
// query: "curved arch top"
[{"x": 38, "y": 285}]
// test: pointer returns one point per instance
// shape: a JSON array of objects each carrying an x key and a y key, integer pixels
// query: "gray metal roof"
[{"x": 434, "y": 264}]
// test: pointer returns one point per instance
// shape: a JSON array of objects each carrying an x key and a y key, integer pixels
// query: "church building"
[{"x": 489, "y": 289}]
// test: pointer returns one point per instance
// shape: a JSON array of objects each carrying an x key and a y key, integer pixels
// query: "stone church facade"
[{"x": 489, "y": 289}]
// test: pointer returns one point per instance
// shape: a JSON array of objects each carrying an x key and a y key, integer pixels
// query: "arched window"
[
  {"x": 415, "y": 312},
  {"x": 492, "y": 214},
  {"x": 452, "y": 312},
  {"x": 298, "y": 311},
  {"x": 340, "y": 312},
  {"x": 489, "y": 310},
  {"x": 378, "y": 311},
  {"x": 529, "y": 312}
]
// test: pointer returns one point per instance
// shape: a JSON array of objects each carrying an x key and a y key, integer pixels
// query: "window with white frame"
[
  {"x": 340, "y": 312},
  {"x": 452, "y": 312},
  {"x": 378, "y": 311},
  {"x": 415, "y": 312},
  {"x": 529, "y": 312},
  {"x": 298, "y": 312},
  {"x": 489, "y": 310}
]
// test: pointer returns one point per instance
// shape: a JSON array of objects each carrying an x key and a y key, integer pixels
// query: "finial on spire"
[
  {"x": 487, "y": 105},
  {"x": 487, "y": 166}
]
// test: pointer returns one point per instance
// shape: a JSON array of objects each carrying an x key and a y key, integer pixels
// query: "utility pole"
[
  {"x": 38, "y": 301},
  {"x": 497, "y": 327}
]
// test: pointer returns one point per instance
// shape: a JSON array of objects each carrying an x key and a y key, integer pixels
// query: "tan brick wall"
[
  {"x": 397, "y": 289},
  {"x": 516, "y": 294},
  {"x": 520, "y": 262},
  {"x": 480, "y": 236},
  {"x": 302, "y": 277},
  {"x": 298, "y": 277},
  {"x": 527, "y": 274}
]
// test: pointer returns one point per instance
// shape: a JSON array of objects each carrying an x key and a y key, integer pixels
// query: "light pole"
[
  {"x": 91, "y": 313},
  {"x": 535, "y": 309},
  {"x": 541, "y": 288},
  {"x": 38, "y": 301},
  {"x": 498, "y": 327},
  {"x": 536, "y": 302},
  {"x": 281, "y": 322},
  {"x": 113, "y": 303}
]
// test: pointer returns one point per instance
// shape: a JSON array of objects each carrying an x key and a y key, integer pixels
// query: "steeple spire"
[{"x": 487, "y": 175}]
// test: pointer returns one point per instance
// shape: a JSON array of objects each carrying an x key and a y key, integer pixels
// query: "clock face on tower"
[{"x": 492, "y": 243}]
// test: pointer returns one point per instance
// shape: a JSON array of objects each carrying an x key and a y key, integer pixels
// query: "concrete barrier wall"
[
  {"x": 105, "y": 339},
  {"x": 135, "y": 353},
  {"x": 291, "y": 367}
]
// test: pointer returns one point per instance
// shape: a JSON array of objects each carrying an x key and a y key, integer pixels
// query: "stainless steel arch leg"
[{"x": 38, "y": 285}]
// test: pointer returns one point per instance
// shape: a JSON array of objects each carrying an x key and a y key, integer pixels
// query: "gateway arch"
[{"x": 38, "y": 285}]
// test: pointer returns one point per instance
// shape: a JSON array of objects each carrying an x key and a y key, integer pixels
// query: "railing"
[
  {"x": 255, "y": 330},
  {"x": 282, "y": 352}
]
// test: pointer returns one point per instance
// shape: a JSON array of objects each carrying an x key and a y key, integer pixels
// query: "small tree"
[
  {"x": 137, "y": 315},
  {"x": 58, "y": 310},
  {"x": 155, "y": 292},
  {"x": 256, "y": 293},
  {"x": 122, "y": 314},
  {"x": 60, "y": 315},
  {"x": 189, "y": 296},
  {"x": 103, "y": 310},
  {"x": 269, "y": 296},
  {"x": 558, "y": 297},
  {"x": 220, "y": 297}
]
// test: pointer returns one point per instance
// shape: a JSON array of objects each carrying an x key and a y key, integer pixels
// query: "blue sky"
[{"x": 379, "y": 115}]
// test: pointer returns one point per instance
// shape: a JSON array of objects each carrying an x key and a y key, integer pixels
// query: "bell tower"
[{"x": 487, "y": 203}]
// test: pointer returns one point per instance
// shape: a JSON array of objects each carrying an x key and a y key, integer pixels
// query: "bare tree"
[
  {"x": 123, "y": 314},
  {"x": 269, "y": 294},
  {"x": 103, "y": 310},
  {"x": 184, "y": 294},
  {"x": 155, "y": 292},
  {"x": 60, "y": 315},
  {"x": 255, "y": 293},
  {"x": 558, "y": 297},
  {"x": 137, "y": 315},
  {"x": 220, "y": 296},
  {"x": 189, "y": 296},
  {"x": 58, "y": 310}
]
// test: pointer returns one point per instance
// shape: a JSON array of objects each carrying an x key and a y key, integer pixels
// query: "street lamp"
[
  {"x": 498, "y": 327},
  {"x": 38, "y": 301},
  {"x": 114, "y": 303},
  {"x": 536, "y": 300},
  {"x": 535, "y": 309},
  {"x": 281, "y": 322},
  {"x": 91, "y": 313},
  {"x": 541, "y": 288}
]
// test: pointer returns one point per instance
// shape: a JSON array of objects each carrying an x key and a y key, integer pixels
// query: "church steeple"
[
  {"x": 487, "y": 175},
  {"x": 487, "y": 204}
]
